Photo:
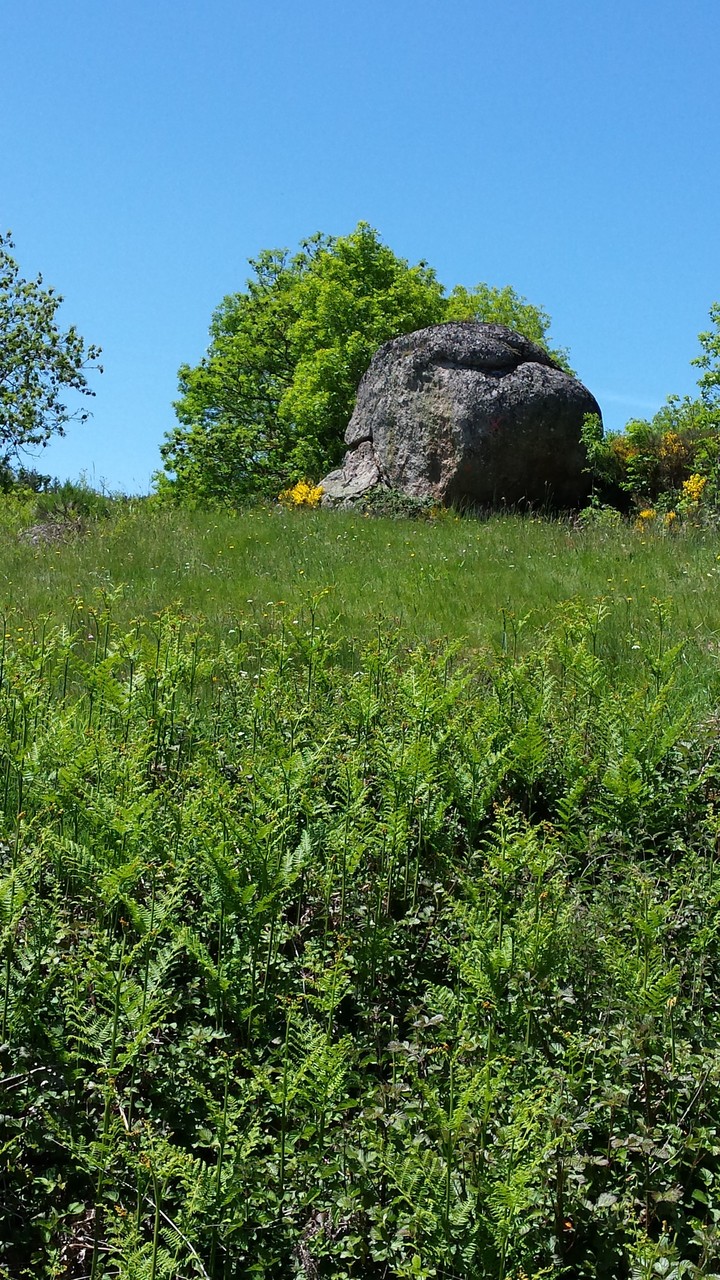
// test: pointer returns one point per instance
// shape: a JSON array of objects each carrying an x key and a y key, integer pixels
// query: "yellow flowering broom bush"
[{"x": 302, "y": 494}]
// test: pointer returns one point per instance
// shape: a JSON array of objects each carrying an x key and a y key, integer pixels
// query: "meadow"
[
  {"x": 359, "y": 898},
  {"x": 453, "y": 579}
]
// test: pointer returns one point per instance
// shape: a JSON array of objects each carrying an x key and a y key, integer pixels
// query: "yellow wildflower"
[
  {"x": 621, "y": 447},
  {"x": 672, "y": 445},
  {"x": 644, "y": 517},
  {"x": 302, "y": 494},
  {"x": 693, "y": 487}
]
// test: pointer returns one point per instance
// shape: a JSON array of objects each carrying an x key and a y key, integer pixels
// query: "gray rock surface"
[{"x": 469, "y": 413}]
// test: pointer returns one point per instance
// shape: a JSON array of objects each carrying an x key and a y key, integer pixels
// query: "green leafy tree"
[
  {"x": 38, "y": 362},
  {"x": 269, "y": 402},
  {"x": 709, "y": 362}
]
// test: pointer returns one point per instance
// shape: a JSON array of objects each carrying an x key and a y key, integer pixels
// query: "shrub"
[{"x": 302, "y": 494}]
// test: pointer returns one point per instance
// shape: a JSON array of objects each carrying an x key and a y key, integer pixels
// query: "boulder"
[{"x": 465, "y": 413}]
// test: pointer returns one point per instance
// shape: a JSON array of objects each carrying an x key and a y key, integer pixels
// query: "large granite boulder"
[{"x": 465, "y": 413}]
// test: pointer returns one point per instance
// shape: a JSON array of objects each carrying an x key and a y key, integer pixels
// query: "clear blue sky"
[{"x": 569, "y": 148}]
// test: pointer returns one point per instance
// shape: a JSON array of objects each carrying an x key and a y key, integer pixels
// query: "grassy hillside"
[
  {"x": 352, "y": 927},
  {"x": 464, "y": 580}
]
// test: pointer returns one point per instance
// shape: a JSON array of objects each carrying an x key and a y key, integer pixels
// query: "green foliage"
[
  {"x": 392, "y": 504},
  {"x": 441, "y": 577},
  {"x": 38, "y": 362},
  {"x": 504, "y": 306},
  {"x": 709, "y": 361},
  {"x": 605, "y": 459},
  {"x": 406, "y": 968},
  {"x": 651, "y": 461},
  {"x": 655, "y": 457},
  {"x": 268, "y": 404},
  {"x": 20, "y": 479},
  {"x": 41, "y": 510},
  {"x": 72, "y": 500}
]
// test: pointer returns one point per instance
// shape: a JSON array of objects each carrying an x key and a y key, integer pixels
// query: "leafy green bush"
[
  {"x": 15, "y": 479},
  {"x": 34, "y": 505},
  {"x": 72, "y": 500},
  {"x": 657, "y": 461},
  {"x": 17, "y": 511},
  {"x": 652, "y": 459}
]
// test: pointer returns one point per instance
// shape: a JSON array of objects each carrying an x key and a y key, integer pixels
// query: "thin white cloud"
[{"x": 637, "y": 402}]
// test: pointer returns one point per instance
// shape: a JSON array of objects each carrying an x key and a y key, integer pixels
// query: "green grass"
[
  {"x": 464, "y": 580},
  {"x": 352, "y": 926}
]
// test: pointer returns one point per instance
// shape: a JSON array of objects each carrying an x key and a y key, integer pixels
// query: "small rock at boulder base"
[{"x": 466, "y": 413}]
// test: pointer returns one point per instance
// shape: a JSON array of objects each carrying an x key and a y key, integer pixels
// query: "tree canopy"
[
  {"x": 38, "y": 362},
  {"x": 269, "y": 402}
]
